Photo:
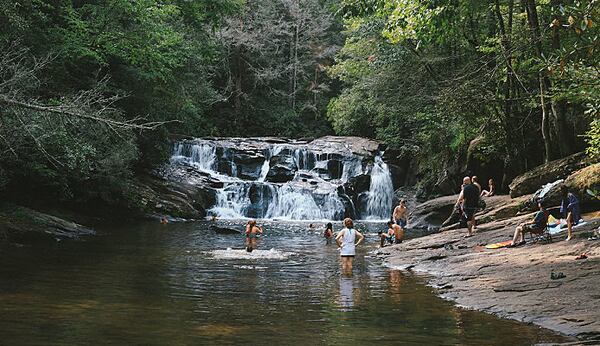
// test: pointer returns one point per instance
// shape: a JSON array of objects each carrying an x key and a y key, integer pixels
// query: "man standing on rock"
[
  {"x": 400, "y": 215},
  {"x": 470, "y": 203}
]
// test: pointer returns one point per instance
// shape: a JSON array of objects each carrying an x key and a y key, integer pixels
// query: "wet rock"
[
  {"x": 21, "y": 224},
  {"x": 579, "y": 182},
  {"x": 347, "y": 145},
  {"x": 225, "y": 230},
  {"x": 559, "y": 169},
  {"x": 282, "y": 169},
  {"x": 158, "y": 196}
]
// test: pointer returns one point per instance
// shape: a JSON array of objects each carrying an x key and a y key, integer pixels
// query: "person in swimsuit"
[
  {"x": 346, "y": 241},
  {"x": 400, "y": 215},
  {"x": 328, "y": 234},
  {"x": 491, "y": 191},
  {"x": 252, "y": 232},
  {"x": 397, "y": 230},
  {"x": 388, "y": 236}
]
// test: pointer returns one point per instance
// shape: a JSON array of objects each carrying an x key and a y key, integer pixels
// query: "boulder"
[
  {"x": 531, "y": 181},
  {"x": 282, "y": 169},
  {"x": 225, "y": 230},
  {"x": 584, "y": 183},
  {"x": 157, "y": 196},
  {"x": 347, "y": 145},
  {"x": 21, "y": 224}
]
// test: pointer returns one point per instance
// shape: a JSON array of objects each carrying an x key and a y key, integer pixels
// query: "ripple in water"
[{"x": 234, "y": 254}]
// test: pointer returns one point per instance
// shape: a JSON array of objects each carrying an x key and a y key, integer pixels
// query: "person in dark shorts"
[
  {"x": 400, "y": 215},
  {"x": 470, "y": 203}
]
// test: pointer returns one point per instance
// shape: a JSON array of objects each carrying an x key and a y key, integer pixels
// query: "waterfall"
[
  {"x": 311, "y": 187},
  {"x": 381, "y": 191},
  {"x": 200, "y": 155}
]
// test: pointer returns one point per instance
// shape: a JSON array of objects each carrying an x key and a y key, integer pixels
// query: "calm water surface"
[{"x": 158, "y": 284}]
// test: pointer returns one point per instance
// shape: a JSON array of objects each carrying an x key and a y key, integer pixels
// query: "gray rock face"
[
  {"x": 559, "y": 169},
  {"x": 22, "y": 224}
]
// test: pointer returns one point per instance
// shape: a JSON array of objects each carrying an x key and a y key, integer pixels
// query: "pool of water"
[{"x": 182, "y": 283}]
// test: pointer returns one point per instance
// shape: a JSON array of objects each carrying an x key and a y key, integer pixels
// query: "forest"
[{"x": 91, "y": 92}]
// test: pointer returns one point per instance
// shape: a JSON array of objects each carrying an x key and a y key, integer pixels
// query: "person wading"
[
  {"x": 346, "y": 241},
  {"x": 252, "y": 232}
]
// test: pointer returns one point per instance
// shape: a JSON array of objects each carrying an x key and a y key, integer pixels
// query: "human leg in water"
[{"x": 347, "y": 265}]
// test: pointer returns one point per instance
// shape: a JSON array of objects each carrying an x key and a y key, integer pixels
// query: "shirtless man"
[
  {"x": 397, "y": 230},
  {"x": 400, "y": 215}
]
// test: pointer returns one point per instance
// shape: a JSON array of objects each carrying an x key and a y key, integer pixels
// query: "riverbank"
[{"x": 512, "y": 283}]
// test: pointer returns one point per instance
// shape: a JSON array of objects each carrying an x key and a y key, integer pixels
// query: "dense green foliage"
[
  {"x": 494, "y": 87},
  {"x": 90, "y": 91}
]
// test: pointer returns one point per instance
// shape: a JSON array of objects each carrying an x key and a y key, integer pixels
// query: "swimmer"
[
  {"x": 328, "y": 234},
  {"x": 252, "y": 232},
  {"x": 397, "y": 231},
  {"x": 164, "y": 220}
]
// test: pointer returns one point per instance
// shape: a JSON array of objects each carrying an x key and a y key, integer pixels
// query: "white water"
[
  {"x": 381, "y": 191},
  {"x": 294, "y": 200}
]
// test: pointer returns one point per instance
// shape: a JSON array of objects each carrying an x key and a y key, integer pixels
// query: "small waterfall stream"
[{"x": 288, "y": 181}]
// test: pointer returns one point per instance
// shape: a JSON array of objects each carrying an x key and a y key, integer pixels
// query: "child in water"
[{"x": 328, "y": 234}]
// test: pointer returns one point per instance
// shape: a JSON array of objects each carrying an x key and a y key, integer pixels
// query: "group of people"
[
  {"x": 570, "y": 212},
  {"x": 396, "y": 225}
]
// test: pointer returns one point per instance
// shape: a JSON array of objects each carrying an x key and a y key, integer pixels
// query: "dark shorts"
[
  {"x": 533, "y": 228},
  {"x": 469, "y": 213},
  {"x": 347, "y": 255},
  {"x": 401, "y": 223}
]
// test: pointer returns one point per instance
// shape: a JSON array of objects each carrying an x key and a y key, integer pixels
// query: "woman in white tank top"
[{"x": 346, "y": 240}]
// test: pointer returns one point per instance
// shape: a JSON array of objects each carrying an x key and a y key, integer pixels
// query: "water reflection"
[
  {"x": 346, "y": 293},
  {"x": 162, "y": 284}
]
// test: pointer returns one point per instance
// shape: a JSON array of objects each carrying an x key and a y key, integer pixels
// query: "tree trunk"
[
  {"x": 545, "y": 130},
  {"x": 536, "y": 38}
]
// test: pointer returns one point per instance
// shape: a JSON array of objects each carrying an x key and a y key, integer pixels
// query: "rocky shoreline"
[{"x": 512, "y": 283}]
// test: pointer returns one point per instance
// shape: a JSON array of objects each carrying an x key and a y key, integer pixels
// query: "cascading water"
[
  {"x": 286, "y": 181},
  {"x": 381, "y": 191}
]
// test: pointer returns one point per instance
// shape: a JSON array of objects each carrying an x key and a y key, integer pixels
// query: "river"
[{"x": 156, "y": 284}]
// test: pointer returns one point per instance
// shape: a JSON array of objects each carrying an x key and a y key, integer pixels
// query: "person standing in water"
[
  {"x": 252, "y": 232},
  {"x": 400, "y": 215},
  {"x": 346, "y": 241},
  {"x": 328, "y": 234}
]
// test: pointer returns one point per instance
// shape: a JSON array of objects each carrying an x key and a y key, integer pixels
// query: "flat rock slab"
[
  {"x": 24, "y": 224},
  {"x": 512, "y": 282}
]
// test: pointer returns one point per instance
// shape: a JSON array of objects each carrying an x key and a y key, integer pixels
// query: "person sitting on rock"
[
  {"x": 388, "y": 236},
  {"x": 491, "y": 191},
  {"x": 536, "y": 226},
  {"x": 397, "y": 230},
  {"x": 569, "y": 208}
]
